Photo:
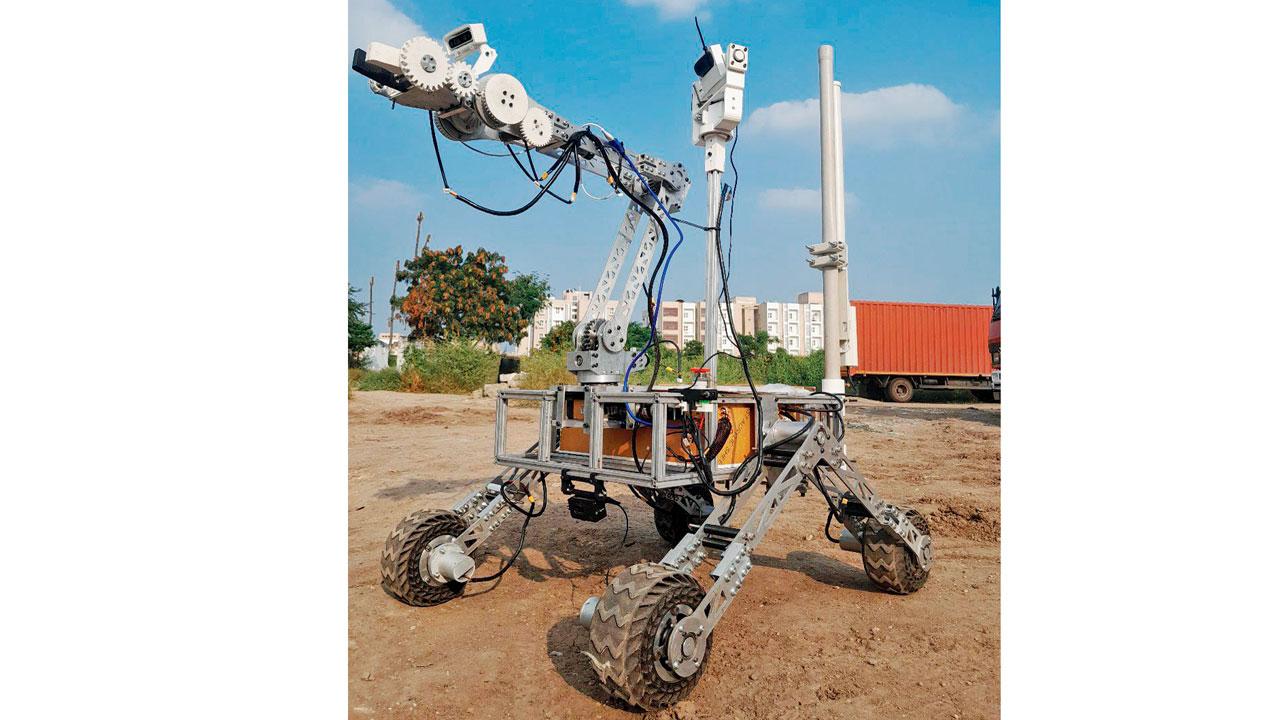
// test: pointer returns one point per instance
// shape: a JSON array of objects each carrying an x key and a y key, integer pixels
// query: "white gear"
[
  {"x": 502, "y": 100},
  {"x": 461, "y": 80},
  {"x": 424, "y": 63},
  {"x": 535, "y": 128}
]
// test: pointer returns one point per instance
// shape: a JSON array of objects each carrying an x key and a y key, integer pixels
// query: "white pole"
[
  {"x": 829, "y": 127},
  {"x": 842, "y": 286},
  {"x": 715, "y": 171},
  {"x": 714, "y": 165}
]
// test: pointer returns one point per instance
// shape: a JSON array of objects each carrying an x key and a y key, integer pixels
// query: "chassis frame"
[{"x": 817, "y": 455}]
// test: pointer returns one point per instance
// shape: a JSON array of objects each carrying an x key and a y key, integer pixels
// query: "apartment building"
[
  {"x": 796, "y": 326},
  {"x": 570, "y": 307},
  {"x": 681, "y": 321}
]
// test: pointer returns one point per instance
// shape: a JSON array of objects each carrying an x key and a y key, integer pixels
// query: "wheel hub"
[
  {"x": 445, "y": 561},
  {"x": 679, "y": 646}
]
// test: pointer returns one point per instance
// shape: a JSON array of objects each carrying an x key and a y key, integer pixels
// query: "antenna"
[{"x": 699, "y": 28}]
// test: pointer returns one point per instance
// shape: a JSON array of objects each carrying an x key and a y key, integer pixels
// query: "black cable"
[
  {"x": 827, "y": 529},
  {"x": 524, "y": 528},
  {"x": 684, "y": 222},
  {"x": 533, "y": 177},
  {"x": 626, "y": 519},
  {"x": 838, "y": 412},
  {"x": 733, "y": 199},
  {"x": 553, "y": 174},
  {"x": 758, "y": 456},
  {"x": 616, "y": 181},
  {"x": 478, "y": 150}
]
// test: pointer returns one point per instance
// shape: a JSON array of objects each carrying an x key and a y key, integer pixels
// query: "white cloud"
[
  {"x": 801, "y": 200},
  {"x": 382, "y": 194},
  {"x": 369, "y": 20},
  {"x": 673, "y": 9},
  {"x": 912, "y": 113}
]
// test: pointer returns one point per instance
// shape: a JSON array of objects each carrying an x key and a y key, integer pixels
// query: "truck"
[
  {"x": 993, "y": 343},
  {"x": 901, "y": 347}
]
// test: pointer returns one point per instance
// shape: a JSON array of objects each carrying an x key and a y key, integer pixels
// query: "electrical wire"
[
  {"x": 524, "y": 527},
  {"x": 478, "y": 150}
]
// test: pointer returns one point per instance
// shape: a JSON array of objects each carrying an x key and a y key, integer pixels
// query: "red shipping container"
[{"x": 921, "y": 339}]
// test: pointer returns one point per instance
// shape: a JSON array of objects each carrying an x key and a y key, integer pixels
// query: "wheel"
[
  {"x": 630, "y": 629},
  {"x": 985, "y": 396},
  {"x": 899, "y": 389},
  {"x": 889, "y": 563},
  {"x": 401, "y": 576},
  {"x": 995, "y": 396},
  {"x": 672, "y": 523},
  {"x": 672, "y": 520}
]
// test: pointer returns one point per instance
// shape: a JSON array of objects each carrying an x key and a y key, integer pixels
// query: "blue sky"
[{"x": 922, "y": 148}]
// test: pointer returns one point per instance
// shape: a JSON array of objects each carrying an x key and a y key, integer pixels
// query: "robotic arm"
[{"x": 451, "y": 79}]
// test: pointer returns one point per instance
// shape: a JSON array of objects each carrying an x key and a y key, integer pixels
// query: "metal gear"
[
  {"x": 461, "y": 81},
  {"x": 501, "y": 100},
  {"x": 424, "y": 63},
  {"x": 461, "y": 126},
  {"x": 535, "y": 128}
]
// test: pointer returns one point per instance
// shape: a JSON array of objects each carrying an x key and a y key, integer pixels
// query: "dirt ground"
[{"x": 809, "y": 635}]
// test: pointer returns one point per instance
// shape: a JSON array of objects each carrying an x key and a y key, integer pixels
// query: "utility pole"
[
  {"x": 370, "y": 301},
  {"x": 417, "y": 236},
  {"x": 391, "y": 312}
]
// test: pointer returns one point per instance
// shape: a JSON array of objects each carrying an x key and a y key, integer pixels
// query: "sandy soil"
[{"x": 809, "y": 636}]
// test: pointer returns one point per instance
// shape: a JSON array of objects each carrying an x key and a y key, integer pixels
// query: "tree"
[
  {"x": 560, "y": 337},
  {"x": 359, "y": 332},
  {"x": 694, "y": 351},
  {"x": 637, "y": 335},
  {"x": 529, "y": 293},
  {"x": 757, "y": 344},
  {"x": 460, "y": 296}
]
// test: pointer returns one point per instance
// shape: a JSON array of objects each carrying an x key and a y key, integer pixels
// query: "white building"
[
  {"x": 570, "y": 307},
  {"x": 797, "y": 326}
]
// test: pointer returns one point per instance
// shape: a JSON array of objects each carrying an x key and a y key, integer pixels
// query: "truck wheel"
[
  {"x": 995, "y": 396},
  {"x": 401, "y": 576},
  {"x": 899, "y": 389},
  {"x": 630, "y": 630},
  {"x": 985, "y": 396}
]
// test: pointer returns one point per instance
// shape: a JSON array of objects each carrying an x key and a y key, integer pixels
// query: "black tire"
[
  {"x": 899, "y": 389},
  {"x": 995, "y": 396},
  {"x": 986, "y": 396},
  {"x": 401, "y": 577},
  {"x": 889, "y": 563},
  {"x": 672, "y": 523},
  {"x": 627, "y": 631}
]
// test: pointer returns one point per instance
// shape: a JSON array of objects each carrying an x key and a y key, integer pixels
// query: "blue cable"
[{"x": 653, "y": 319}]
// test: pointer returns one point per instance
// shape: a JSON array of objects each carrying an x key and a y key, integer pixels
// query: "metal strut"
[{"x": 819, "y": 451}]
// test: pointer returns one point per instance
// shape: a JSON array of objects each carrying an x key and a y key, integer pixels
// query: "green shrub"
[
  {"x": 387, "y": 379},
  {"x": 449, "y": 367},
  {"x": 544, "y": 369}
]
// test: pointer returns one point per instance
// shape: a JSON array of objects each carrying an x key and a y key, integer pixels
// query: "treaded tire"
[
  {"x": 899, "y": 389},
  {"x": 401, "y": 577},
  {"x": 626, "y": 624},
  {"x": 889, "y": 563}
]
